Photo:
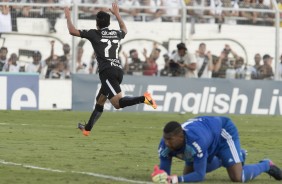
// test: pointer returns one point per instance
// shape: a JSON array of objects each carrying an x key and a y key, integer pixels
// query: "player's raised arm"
[
  {"x": 72, "y": 30},
  {"x": 115, "y": 12}
]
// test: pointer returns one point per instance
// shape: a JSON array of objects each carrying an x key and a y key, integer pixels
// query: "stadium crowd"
[
  {"x": 200, "y": 11},
  {"x": 180, "y": 63}
]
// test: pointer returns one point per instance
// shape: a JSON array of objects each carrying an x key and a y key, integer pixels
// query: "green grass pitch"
[{"x": 120, "y": 145}]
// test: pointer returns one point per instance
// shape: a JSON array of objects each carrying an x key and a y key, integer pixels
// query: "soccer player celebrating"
[
  {"x": 206, "y": 143},
  {"x": 106, "y": 43}
]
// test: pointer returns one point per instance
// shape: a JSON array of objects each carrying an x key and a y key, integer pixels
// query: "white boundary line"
[
  {"x": 13, "y": 124},
  {"x": 76, "y": 172}
]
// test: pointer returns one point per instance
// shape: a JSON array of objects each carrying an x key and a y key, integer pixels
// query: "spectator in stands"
[
  {"x": 184, "y": 62},
  {"x": 154, "y": 13},
  {"x": 81, "y": 66},
  {"x": 36, "y": 11},
  {"x": 23, "y": 11},
  {"x": 12, "y": 65},
  {"x": 216, "y": 12},
  {"x": 279, "y": 4},
  {"x": 204, "y": 62},
  {"x": 37, "y": 64},
  {"x": 151, "y": 66},
  {"x": 14, "y": 11},
  {"x": 60, "y": 72},
  {"x": 225, "y": 63},
  {"x": 268, "y": 18},
  {"x": 196, "y": 15},
  {"x": 230, "y": 15},
  {"x": 131, "y": 11},
  {"x": 3, "y": 57},
  {"x": 174, "y": 67},
  {"x": 172, "y": 11},
  {"x": 166, "y": 71},
  {"x": 93, "y": 64},
  {"x": 230, "y": 73},
  {"x": 5, "y": 18},
  {"x": 250, "y": 17},
  {"x": 265, "y": 71},
  {"x": 88, "y": 12},
  {"x": 133, "y": 64},
  {"x": 103, "y": 2},
  {"x": 51, "y": 13},
  {"x": 240, "y": 68},
  {"x": 51, "y": 61},
  {"x": 66, "y": 57},
  {"x": 254, "y": 69}
]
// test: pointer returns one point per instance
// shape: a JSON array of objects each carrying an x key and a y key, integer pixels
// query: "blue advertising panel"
[{"x": 19, "y": 91}]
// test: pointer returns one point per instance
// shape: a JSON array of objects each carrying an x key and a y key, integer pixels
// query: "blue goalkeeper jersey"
[{"x": 203, "y": 139}]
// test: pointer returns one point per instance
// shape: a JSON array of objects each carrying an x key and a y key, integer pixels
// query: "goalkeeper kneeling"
[{"x": 206, "y": 143}]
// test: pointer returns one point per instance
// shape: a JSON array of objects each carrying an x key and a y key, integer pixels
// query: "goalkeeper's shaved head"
[
  {"x": 172, "y": 128},
  {"x": 173, "y": 135}
]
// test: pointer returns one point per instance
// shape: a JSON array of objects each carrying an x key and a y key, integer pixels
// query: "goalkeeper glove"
[{"x": 160, "y": 176}]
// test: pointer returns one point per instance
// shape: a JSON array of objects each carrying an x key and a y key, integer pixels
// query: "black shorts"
[{"x": 111, "y": 79}]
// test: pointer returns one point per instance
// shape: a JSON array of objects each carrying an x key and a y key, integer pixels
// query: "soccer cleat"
[
  {"x": 85, "y": 132},
  {"x": 273, "y": 171},
  {"x": 81, "y": 127},
  {"x": 149, "y": 100}
]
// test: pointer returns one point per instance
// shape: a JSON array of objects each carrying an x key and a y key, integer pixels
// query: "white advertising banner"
[{"x": 209, "y": 96}]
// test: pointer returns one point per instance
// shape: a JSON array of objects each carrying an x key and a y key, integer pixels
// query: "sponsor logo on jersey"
[
  {"x": 109, "y": 33},
  {"x": 115, "y": 62}
]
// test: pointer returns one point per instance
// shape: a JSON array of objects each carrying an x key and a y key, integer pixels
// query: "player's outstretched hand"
[
  {"x": 173, "y": 179},
  {"x": 67, "y": 12},
  {"x": 159, "y": 176},
  {"x": 114, "y": 9}
]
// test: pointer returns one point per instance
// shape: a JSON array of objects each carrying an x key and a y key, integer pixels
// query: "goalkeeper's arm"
[
  {"x": 198, "y": 173},
  {"x": 165, "y": 164}
]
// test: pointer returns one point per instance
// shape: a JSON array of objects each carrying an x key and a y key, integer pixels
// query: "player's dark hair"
[
  {"x": 172, "y": 127},
  {"x": 103, "y": 19}
]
